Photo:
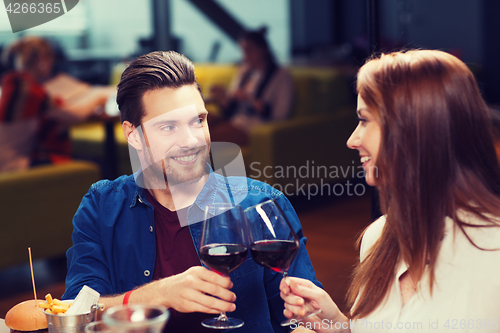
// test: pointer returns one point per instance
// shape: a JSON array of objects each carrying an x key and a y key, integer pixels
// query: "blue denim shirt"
[{"x": 114, "y": 245}]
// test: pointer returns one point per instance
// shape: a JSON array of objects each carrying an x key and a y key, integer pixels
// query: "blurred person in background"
[
  {"x": 36, "y": 108},
  {"x": 432, "y": 262},
  {"x": 27, "y": 134},
  {"x": 261, "y": 91}
]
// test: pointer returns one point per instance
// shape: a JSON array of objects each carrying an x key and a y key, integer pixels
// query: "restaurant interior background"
[{"x": 323, "y": 42}]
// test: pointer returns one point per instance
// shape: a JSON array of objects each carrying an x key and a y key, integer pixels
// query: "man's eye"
[
  {"x": 167, "y": 128},
  {"x": 199, "y": 121}
]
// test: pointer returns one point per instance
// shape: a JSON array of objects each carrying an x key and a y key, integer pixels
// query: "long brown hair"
[{"x": 436, "y": 156}]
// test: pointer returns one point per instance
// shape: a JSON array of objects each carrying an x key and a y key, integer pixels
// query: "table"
[
  {"x": 86, "y": 133},
  {"x": 82, "y": 102}
]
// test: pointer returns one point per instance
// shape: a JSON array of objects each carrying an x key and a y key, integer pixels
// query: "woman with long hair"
[{"x": 432, "y": 262}]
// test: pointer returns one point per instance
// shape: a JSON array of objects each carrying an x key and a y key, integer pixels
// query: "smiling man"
[{"x": 136, "y": 238}]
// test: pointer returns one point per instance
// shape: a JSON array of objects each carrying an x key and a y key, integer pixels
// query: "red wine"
[
  {"x": 223, "y": 258},
  {"x": 275, "y": 254}
]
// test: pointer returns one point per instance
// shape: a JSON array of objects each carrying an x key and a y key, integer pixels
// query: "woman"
[
  {"x": 431, "y": 263},
  {"x": 261, "y": 91}
]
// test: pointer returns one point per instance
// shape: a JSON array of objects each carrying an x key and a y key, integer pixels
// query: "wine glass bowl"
[
  {"x": 273, "y": 242},
  {"x": 223, "y": 248},
  {"x": 223, "y": 258},
  {"x": 277, "y": 254}
]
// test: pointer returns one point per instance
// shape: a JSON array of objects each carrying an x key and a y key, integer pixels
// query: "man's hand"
[
  {"x": 198, "y": 290},
  {"x": 195, "y": 290}
]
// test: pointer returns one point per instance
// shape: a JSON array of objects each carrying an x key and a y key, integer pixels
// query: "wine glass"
[
  {"x": 223, "y": 248},
  {"x": 136, "y": 318},
  {"x": 98, "y": 327},
  {"x": 273, "y": 242}
]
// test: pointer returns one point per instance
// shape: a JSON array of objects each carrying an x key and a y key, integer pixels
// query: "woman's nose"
[{"x": 353, "y": 141}]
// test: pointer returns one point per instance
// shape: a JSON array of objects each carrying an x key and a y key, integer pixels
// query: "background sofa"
[{"x": 37, "y": 208}]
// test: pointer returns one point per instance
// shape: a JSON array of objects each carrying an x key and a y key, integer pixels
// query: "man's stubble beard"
[{"x": 163, "y": 173}]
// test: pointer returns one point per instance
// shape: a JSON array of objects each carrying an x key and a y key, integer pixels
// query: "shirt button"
[
  {"x": 147, "y": 273},
  {"x": 140, "y": 200},
  {"x": 150, "y": 228}
]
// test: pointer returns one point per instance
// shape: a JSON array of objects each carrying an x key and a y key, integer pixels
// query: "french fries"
[{"x": 54, "y": 306}]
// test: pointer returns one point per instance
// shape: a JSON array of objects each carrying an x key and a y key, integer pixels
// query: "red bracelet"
[{"x": 126, "y": 297}]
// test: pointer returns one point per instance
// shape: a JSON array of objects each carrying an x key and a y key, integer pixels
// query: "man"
[{"x": 141, "y": 233}]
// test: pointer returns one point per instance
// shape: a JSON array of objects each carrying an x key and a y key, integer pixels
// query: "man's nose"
[{"x": 188, "y": 137}]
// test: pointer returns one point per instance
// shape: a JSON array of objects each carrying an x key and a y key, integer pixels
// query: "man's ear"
[{"x": 132, "y": 135}]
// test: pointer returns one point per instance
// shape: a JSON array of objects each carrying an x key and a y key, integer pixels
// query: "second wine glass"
[
  {"x": 273, "y": 242},
  {"x": 223, "y": 249}
]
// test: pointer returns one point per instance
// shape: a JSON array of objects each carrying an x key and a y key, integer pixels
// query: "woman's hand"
[
  {"x": 218, "y": 95},
  {"x": 302, "y": 296},
  {"x": 241, "y": 95}
]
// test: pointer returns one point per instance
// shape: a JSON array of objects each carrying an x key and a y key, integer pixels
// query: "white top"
[
  {"x": 278, "y": 94},
  {"x": 466, "y": 292}
]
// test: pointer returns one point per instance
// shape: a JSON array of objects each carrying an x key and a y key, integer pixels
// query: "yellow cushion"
[{"x": 208, "y": 75}]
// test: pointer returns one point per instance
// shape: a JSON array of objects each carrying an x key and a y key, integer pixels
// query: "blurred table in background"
[
  {"x": 101, "y": 140},
  {"x": 82, "y": 103}
]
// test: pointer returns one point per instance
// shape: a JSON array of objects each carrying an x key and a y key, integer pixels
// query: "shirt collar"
[
  {"x": 206, "y": 196},
  {"x": 208, "y": 192},
  {"x": 140, "y": 194}
]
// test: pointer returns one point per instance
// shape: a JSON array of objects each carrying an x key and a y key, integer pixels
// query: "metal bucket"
[{"x": 70, "y": 323}]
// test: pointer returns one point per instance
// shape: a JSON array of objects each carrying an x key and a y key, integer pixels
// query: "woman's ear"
[{"x": 132, "y": 135}]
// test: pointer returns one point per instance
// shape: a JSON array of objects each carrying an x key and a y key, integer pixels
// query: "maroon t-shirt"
[{"x": 175, "y": 253}]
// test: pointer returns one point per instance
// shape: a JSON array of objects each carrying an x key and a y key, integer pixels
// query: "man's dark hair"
[{"x": 148, "y": 72}]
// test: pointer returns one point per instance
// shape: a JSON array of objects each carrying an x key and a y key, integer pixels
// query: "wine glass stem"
[
  {"x": 285, "y": 275},
  {"x": 222, "y": 316}
]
